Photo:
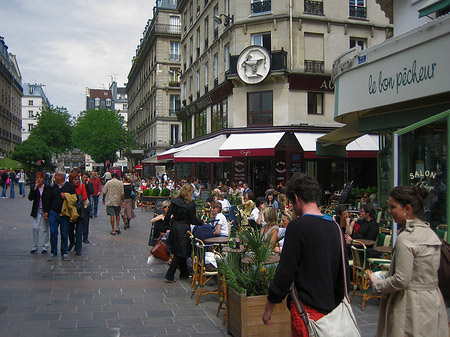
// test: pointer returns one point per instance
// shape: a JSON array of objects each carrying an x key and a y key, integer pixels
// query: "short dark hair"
[
  {"x": 304, "y": 186},
  {"x": 340, "y": 209},
  {"x": 259, "y": 201},
  {"x": 114, "y": 175},
  {"x": 368, "y": 208}
]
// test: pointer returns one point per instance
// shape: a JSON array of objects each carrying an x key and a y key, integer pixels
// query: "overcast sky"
[{"x": 69, "y": 45}]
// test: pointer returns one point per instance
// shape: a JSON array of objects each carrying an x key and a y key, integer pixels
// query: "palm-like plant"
[{"x": 249, "y": 275}]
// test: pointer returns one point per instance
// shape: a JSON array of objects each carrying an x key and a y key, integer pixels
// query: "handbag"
[
  {"x": 341, "y": 322},
  {"x": 79, "y": 205},
  {"x": 159, "y": 250}
]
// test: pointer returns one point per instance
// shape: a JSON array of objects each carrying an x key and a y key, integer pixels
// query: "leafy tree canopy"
[
  {"x": 100, "y": 133},
  {"x": 54, "y": 129},
  {"x": 32, "y": 150}
]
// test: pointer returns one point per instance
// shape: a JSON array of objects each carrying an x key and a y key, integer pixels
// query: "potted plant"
[
  {"x": 165, "y": 192},
  {"x": 247, "y": 280},
  {"x": 156, "y": 192}
]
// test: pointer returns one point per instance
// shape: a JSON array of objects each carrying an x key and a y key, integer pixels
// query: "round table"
[
  {"x": 385, "y": 250},
  {"x": 217, "y": 239},
  {"x": 272, "y": 259},
  {"x": 367, "y": 243}
]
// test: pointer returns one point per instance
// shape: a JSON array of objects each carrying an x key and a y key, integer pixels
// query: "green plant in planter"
[
  {"x": 165, "y": 192},
  {"x": 147, "y": 193},
  {"x": 156, "y": 191},
  {"x": 252, "y": 278}
]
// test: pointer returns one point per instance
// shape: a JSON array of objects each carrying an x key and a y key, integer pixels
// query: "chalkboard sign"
[{"x": 205, "y": 194}]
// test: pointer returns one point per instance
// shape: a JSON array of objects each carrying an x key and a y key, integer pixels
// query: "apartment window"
[
  {"x": 174, "y": 134},
  {"x": 206, "y": 2},
  {"x": 191, "y": 47},
  {"x": 226, "y": 52},
  {"x": 216, "y": 25},
  {"x": 206, "y": 77},
  {"x": 30, "y": 102},
  {"x": 216, "y": 70},
  {"x": 198, "y": 42},
  {"x": 314, "y": 7},
  {"x": 30, "y": 127},
  {"x": 314, "y": 53},
  {"x": 108, "y": 102},
  {"x": 200, "y": 123},
  {"x": 356, "y": 41},
  {"x": 30, "y": 114},
  {"x": 262, "y": 39},
  {"x": 174, "y": 51},
  {"x": 260, "y": 108},
  {"x": 315, "y": 103},
  {"x": 174, "y": 25},
  {"x": 206, "y": 33},
  {"x": 186, "y": 129},
  {"x": 219, "y": 115},
  {"x": 357, "y": 9},
  {"x": 260, "y": 6},
  {"x": 97, "y": 102},
  {"x": 174, "y": 103},
  {"x": 197, "y": 76}
]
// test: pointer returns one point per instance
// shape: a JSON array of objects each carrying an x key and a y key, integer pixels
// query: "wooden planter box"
[
  {"x": 151, "y": 201},
  {"x": 244, "y": 316}
]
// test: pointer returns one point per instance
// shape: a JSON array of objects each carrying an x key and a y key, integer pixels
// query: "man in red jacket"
[{"x": 97, "y": 184}]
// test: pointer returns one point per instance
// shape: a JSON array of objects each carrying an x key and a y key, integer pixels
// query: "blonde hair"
[
  {"x": 289, "y": 214},
  {"x": 186, "y": 192},
  {"x": 282, "y": 199},
  {"x": 270, "y": 215}
]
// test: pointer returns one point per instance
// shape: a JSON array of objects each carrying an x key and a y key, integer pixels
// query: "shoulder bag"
[
  {"x": 159, "y": 250},
  {"x": 341, "y": 322}
]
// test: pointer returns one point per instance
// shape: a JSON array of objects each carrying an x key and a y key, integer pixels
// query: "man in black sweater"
[
  {"x": 311, "y": 257},
  {"x": 56, "y": 220},
  {"x": 367, "y": 225}
]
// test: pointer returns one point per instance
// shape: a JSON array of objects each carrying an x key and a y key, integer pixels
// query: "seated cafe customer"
[
  {"x": 365, "y": 227},
  {"x": 220, "y": 222}
]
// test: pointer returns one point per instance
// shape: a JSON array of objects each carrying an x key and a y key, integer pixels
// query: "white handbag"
[{"x": 341, "y": 322}]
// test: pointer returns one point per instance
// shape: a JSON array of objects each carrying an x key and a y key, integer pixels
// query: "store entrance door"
[{"x": 261, "y": 174}]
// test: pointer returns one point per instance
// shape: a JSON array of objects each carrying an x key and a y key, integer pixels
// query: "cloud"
[{"x": 71, "y": 45}]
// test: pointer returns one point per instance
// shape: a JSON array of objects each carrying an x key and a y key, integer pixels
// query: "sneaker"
[
  {"x": 85, "y": 240},
  {"x": 51, "y": 257},
  {"x": 33, "y": 251},
  {"x": 65, "y": 257},
  {"x": 44, "y": 251}
]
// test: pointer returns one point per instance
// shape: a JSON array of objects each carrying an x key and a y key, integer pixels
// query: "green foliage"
[
  {"x": 156, "y": 192},
  {"x": 101, "y": 133},
  {"x": 54, "y": 129},
  {"x": 165, "y": 192},
  {"x": 252, "y": 278},
  {"x": 32, "y": 150},
  {"x": 147, "y": 193}
]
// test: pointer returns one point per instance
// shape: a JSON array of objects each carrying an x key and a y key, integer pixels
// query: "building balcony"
[
  {"x": 279, "y": 62},
  {"x": 167, "y": 29},
  {"x": 175, "y": 57},
  {"x": 174, "y": 84},
  {"x": 314, "y": 66},
  {"x": 357, "y": 12},
  {"x": 313, "y": 7},
  {"x": 261, "y": 7}
]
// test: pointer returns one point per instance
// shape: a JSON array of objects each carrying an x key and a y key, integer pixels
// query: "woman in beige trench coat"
[{"x": 412, "y": 304}]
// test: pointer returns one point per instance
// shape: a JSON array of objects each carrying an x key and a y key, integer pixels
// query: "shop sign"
[
  {"x": 419, "y": 177},
  {"x": 309, "y": 82},
  {"x": 253, "y": 64}
]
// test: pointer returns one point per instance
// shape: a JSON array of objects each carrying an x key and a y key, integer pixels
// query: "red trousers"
[{"x": 298, "y": 327}]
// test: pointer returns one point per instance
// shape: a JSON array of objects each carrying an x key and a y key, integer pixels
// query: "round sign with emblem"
[{"x": 253, "y": 64}]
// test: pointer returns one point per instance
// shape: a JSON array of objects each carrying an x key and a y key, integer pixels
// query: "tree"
[
  {"x": 32, "y": 150},
  {"x": 54, "y": 129},
  {"x": 100, "y": 133}
]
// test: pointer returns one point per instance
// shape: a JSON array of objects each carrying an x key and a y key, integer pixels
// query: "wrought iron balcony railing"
[
  {"x": 314, "y": 7},
  {"x": 358, "y": 12},
  {"x": 261, "y": 7},
  {"x": 314, "y": 66}
]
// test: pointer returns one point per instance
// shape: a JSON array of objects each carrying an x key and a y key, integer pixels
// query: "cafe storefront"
[{"x": 403, "y": 95}]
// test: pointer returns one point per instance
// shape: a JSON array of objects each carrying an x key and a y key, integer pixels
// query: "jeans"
[
  {"x": 62, "y": 223},
  {"x": 22, "y": 189},
  {"x": 4, "y": 190},
  {"x": 94, "y": 205},
  {"x": 86, "y": 224},
  {"x": 12, "y": 192},
  {"x": 39, "y": 222},
  {"x": 76, "y": 234}
]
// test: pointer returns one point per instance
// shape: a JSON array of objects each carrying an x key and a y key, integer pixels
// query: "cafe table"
[
  {"x": 367, "y": 243},
  {"x": 385, "y": 250},
  {"x": 217, "y": 240},
  {"x": 271, "y": 260}
]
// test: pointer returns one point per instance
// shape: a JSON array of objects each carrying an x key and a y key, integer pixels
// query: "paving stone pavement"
[{"x": 108, "y": 291}]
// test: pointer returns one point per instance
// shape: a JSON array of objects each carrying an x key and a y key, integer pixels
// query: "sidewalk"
[{"x": 107, "y": 291}]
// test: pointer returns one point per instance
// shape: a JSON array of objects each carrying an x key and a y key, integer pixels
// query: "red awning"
[{"x": 138, "y": 167}]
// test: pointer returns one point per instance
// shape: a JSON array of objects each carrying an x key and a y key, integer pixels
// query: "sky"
[{"x": 69, "y": 45}]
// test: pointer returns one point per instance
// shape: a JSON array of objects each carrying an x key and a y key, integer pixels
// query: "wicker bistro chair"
[
  {"x": 195, "y": 264},
  {"x": 359, "y": 269},
  {"x": 223, "y": 305},
  {"x": 382, "y": 240},
  {"x": 205, "y": 272}
]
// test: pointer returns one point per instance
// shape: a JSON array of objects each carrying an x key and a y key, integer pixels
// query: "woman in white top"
[{"x": 220, "y": 221}]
